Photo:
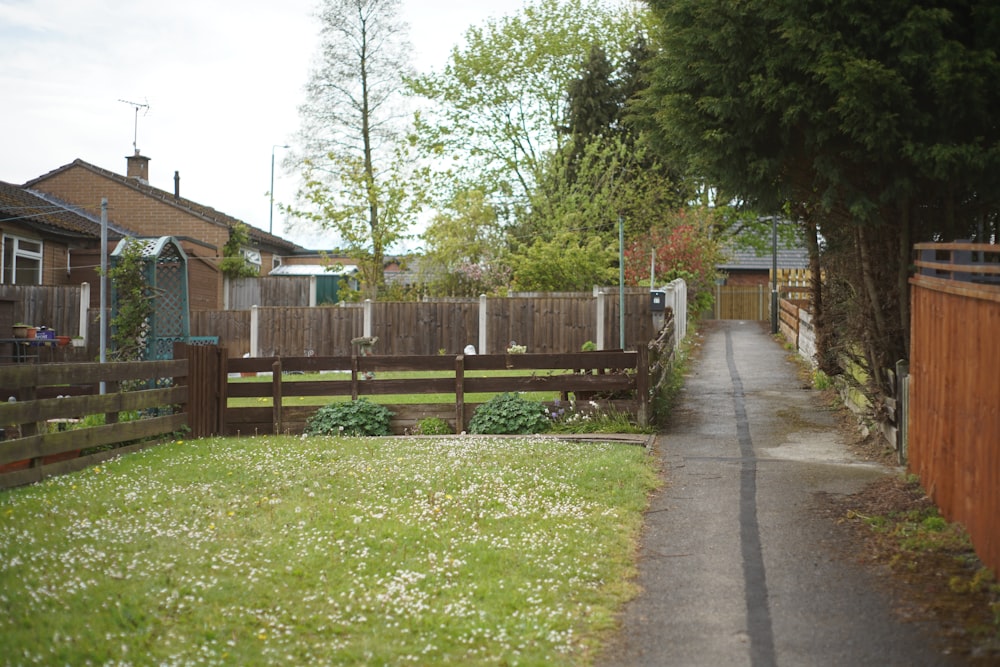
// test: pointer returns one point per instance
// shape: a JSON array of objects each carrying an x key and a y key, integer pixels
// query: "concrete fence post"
[
  {"x": 84, "y": 308},
  {"x": 601, "y": 305},
  {"x": 254, "y": 331},
  {"x": 483, "y": 319}
]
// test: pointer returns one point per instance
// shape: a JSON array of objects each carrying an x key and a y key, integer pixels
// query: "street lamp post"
[{"x": 270, "y": 224}]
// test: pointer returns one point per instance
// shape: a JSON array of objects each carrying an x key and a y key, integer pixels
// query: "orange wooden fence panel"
[{"x": 954, "y": 424}]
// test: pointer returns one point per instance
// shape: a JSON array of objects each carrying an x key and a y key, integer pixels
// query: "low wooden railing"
[
  {"x": 614, "y": 379},
  {"x": 41, "y": 407}
]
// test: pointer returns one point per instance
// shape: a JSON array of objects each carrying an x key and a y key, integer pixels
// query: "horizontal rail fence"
[
  {"x": 954, "y": 422},
  {"x": 542, "y": 324},
  {"x": 40, "y": 424},
  {"x": 618, "y": 380}
]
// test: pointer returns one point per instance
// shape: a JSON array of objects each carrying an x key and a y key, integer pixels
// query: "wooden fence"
[
  {"x": 551, "y": 324},
  {"x": 954, "y": 424},
  {"x": 618, "y": 380},
  {"x": 49, "y": 397},
  {"x": 753, "y": 302}
]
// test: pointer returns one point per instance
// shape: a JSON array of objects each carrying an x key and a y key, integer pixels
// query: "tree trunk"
[
  {"x": 879, "y": 331},
  {"x": 903, "y": 275}
]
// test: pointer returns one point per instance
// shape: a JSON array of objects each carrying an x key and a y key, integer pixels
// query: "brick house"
[
  {"x": 46, "y": 241},
  {"x": 145, "y": 211}
]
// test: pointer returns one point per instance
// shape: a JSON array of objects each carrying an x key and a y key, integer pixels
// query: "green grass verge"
[
  {"x": 279, "y": 550},
  {"x": 386, "y": 398}
]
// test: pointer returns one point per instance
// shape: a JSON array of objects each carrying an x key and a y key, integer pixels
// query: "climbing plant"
[
  {"x": 130, "y": 323},
  {"x": 234, "y": 264}
]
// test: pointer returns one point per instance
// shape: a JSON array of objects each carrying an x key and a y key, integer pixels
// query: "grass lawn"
[
  {"x": 383, "y": 398},
  {"x": 282, "y": 551}
]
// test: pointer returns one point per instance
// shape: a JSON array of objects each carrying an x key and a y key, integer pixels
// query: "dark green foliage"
[
  {"x": 432, "y": 426},
  {"x": 509, "y": 414},
  {"x": 874, "y": 123},
  {"x": 352, "y": 418}
]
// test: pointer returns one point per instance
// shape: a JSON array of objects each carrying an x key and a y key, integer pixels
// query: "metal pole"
[
  {"x": 103, "y": 338},
  {"x": 270, "y": 223},
  {"x": 774, "y": 275},
  {"x": 621, "y": 281}
]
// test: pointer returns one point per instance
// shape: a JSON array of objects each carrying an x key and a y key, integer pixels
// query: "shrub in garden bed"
[
  {"x": 510, "y": 414},
  {"x": 352, "y": 418}
]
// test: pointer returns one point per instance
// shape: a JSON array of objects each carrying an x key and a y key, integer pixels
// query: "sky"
[{"x": 207, "y": 88}]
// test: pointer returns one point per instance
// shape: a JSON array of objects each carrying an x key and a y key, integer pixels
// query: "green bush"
[
  {"x": 352, "y": 418},
  {"x": 509, "y": 414},
  {"x": 432, "y": 426}
]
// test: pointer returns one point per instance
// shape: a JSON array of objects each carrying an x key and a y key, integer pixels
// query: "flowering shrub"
[
  {"x": 352, "y": 418},
  {"x": 509, "y": 414},
  {"x": 687, "y": 250}
]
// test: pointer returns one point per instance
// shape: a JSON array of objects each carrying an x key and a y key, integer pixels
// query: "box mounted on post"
[{"x": 657, "y": 301}]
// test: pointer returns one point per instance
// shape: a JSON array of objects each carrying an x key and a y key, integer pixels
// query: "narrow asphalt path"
[{"x": 737, "y": 567}]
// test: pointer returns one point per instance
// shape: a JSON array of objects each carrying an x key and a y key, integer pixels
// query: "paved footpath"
[{"x": 736, "y": 565}]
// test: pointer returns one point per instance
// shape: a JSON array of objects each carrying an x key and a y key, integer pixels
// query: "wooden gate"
[{"x": 742, "y": 302}]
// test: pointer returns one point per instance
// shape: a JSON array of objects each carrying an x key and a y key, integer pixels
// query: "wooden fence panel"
[
  {"x": 543, "y": 324},
  {"x": 231, "y": 326},
  {"x": 739, "y": 302},
  {"x": 425, "y": 327},
  {"x": 284, "y": 291},
  {"x": 54, "y": 306},
  {"x": 954, "y": 422},
  {"x": 244, "y": 293}
]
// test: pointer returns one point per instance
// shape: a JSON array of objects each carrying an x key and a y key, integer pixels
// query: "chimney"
[
  {"x": 177, "y": 185},
  {"x": 138, "y": 167}
]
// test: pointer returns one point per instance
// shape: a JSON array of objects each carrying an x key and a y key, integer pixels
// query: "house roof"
[
  {"x": 206, "y": 213},
  {"x": 749, "y": 260},
  {"x": 49, "y": 215},
  {"x": 313, "y": 270}
]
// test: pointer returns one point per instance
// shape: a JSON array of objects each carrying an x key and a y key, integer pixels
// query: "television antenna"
[{"x": 137, "y": 106}]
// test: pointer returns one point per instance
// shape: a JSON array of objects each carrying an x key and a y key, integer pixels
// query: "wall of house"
[{"x": 147, "y": 216}]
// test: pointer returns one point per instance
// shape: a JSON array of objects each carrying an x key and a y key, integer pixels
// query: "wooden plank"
[
  {"x": 47, "y": 444},
  {"x": 77, "y": 406},
  {"x": 32, "y": 475},
  {"x": 35, "y": 375}
]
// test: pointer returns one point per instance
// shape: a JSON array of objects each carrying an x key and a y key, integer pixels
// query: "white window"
[
  {"x": 22, "y": 261},
  {"x": 252, "y": 256}
]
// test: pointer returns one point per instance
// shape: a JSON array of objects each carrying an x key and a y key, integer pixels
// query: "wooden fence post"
[
  {"x": 460, "y": 393},
  {"x": 276, "y": 397},
  {"x": 206, "y": 382},
  {"x": 642, "y": 386}
]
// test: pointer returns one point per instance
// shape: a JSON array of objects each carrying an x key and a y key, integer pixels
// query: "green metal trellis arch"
[{"x": 165, "y": 271}]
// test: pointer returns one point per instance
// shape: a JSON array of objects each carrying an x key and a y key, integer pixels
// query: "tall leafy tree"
[
  {"x": 876, "y": 118},
  {"x": 499, "y": 102},
  {"x": 358, "y": 173}
]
